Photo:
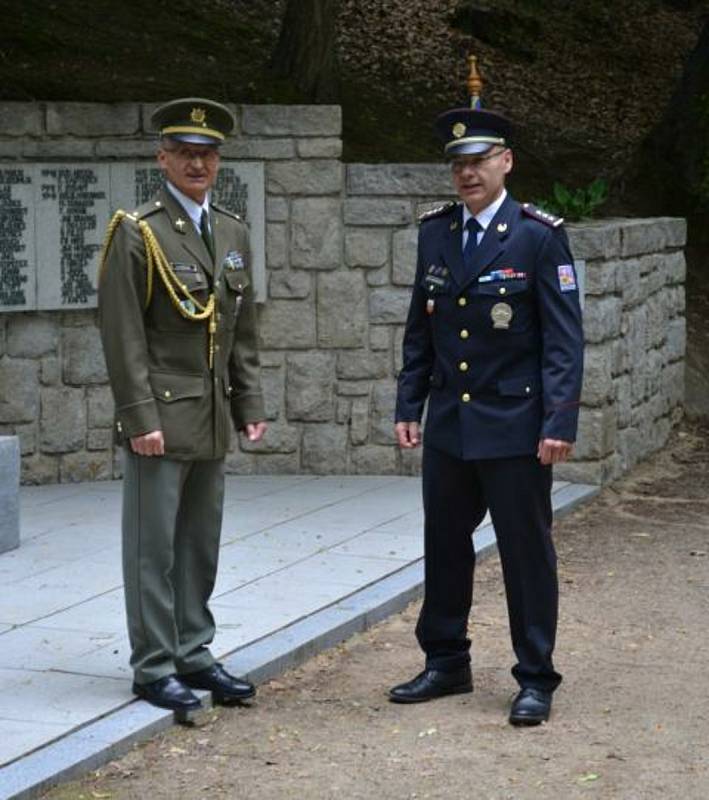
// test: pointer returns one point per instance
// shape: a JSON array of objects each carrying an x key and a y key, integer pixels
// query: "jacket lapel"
[
  {"x": 453, "y": 246},
  {"x": 494, "y": 240},
  {"x": 190, "y": 240},
  {"x": 221, "y": 244}
]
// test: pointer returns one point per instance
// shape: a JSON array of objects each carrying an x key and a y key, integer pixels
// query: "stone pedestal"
[{"x": 9, "y": 493}]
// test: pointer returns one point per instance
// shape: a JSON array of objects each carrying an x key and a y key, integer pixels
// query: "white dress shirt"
[{"x": 484, "y": 218}]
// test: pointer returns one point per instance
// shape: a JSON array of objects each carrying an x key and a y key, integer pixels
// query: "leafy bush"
[{"x": 575, "y": 204}]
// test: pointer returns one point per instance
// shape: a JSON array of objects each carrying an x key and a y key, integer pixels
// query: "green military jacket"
[{"x": 157, "y": 360}]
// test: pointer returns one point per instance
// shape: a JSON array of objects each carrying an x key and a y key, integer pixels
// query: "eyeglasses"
[
  {"x": 207, "y": 156},
  {"x": 460, "y": 163}
]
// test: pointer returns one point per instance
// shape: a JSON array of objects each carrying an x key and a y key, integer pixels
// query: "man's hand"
[
  {"x": 148, "y": 444},
  {"x": 553, "y": 451},
  {"x": 255, "y": 431},
  {"x": 408, "y": 434}
]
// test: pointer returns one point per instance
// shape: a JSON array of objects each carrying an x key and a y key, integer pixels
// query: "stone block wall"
[
  {"x": 340, "y": 256},
  {"x": 635, "y": 331}
]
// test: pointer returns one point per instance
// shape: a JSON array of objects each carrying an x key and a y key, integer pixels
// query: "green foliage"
[{"x": 575, "y": 204}]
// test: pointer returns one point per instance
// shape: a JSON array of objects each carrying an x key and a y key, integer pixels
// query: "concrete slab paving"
[
  {"x": 101, "y": 615},
  {"x": 305, "y": 562},
  {"x": 62, "y": 698},
  {"x": 21, "y": 737}
]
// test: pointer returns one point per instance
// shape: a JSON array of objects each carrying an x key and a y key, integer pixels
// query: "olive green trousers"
[{"x": 172, "y": 518}]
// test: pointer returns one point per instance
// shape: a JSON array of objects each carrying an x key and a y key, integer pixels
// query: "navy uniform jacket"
[{"x": 501, "y": 361}]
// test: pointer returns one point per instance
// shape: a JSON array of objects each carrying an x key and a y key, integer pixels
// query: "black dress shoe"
[
  {"x": 530, "y": 707},
  {"x": 225, "y": 688},
  {"x": 432, "y": 683},
  {"x": 170, "y": 693}
]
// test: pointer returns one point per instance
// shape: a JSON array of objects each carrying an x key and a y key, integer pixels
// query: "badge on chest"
[
  {"x": 501, "y": 315},
  {"x": 234, "y": 260},
  {"x": 435, "y": 282}
]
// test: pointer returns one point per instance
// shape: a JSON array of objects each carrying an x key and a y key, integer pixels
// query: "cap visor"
[
  {"x": 468, "y": 148},
  {"x": 194, "y": 138}
]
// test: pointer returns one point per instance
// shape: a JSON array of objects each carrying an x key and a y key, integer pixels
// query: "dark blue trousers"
[{"x": 456, "y": 496}]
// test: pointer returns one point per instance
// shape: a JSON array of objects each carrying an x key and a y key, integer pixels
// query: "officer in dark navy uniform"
[{"x": 494, "y": 341}]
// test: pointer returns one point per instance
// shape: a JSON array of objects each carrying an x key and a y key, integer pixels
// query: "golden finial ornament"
[{"x": 475, "y": 82}]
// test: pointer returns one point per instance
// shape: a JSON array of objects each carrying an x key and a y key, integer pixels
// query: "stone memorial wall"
[{"x": 339, "y": 259}]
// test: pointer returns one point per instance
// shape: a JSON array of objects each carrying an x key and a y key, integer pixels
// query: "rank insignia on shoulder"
[
  {"x": 234, "y": 260},
  {"x": 542, "y": 216},
  {"x": 226, "y": 211},
  {"x": 439, "y": 211},
  {"x": 567, "y": 278}
]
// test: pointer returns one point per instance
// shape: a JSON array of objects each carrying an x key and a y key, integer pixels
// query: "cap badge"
[
  {"x": 199, "y": 116},
  {"x": 458, "y": 130}
]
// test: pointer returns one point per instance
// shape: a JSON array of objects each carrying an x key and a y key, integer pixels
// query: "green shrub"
[{"x": 575, "y": 204}]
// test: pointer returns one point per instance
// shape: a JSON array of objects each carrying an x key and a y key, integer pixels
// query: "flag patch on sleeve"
[{"x": 567, "y": 278}]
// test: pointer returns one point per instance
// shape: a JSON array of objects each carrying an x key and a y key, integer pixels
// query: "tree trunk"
[
  {"x": 676, "y": 155},
  {"x": 305, "y": 52}
]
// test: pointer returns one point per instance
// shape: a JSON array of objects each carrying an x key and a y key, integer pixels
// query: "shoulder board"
[
  {"x": 439, "y": 211},
  {"x": 228, "y": 213},
  {"x": 147, "y": 209},
  {"x": 542, "y": 216}
]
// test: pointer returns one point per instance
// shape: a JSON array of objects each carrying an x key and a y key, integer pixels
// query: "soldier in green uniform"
[{"x": 179, "y": 331}]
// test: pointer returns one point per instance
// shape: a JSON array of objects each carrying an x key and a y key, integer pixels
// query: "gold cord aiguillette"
[{"x": 156, "y": 259}]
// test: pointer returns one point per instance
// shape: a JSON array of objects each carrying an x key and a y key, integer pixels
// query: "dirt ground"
[{"x": 630, "y": 721}]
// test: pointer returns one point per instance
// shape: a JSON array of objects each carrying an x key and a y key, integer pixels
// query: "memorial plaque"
[
  {"x": 18, "y": 286},
  {"x": 53, "y": 219}
]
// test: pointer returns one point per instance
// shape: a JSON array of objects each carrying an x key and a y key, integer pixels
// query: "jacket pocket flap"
[
  {"x": 518, "y": 387},
  {"x": 171, "y": 386},
  {"x": 503, "y": 288},
  {"x": 237, "y": 279}
]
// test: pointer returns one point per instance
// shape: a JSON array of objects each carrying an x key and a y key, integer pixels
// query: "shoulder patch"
[
  {"x": 439, "y": 211},
  {"x": 226, "y": 211},
  {"x": 542, "y": 216}
]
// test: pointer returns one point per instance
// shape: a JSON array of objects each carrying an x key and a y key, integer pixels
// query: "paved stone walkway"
[{"x": 291, "y": 547}]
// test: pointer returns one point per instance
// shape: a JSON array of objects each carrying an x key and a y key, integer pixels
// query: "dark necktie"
[
  {"x": 473, "y": 227},
  {"x": 207, "y": 233}
]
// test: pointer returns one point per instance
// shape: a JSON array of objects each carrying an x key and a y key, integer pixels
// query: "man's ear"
[{"x": 509, "y": 161}]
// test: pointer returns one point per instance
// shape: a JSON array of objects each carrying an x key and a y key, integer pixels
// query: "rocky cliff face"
[{"x": 585, "y": 82}]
